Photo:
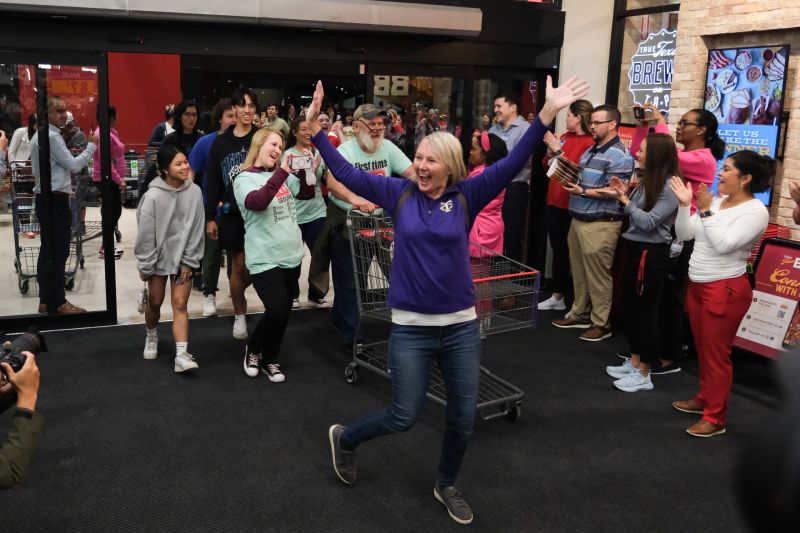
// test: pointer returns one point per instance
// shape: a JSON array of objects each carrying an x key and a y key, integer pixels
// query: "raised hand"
[
  {"x": 682, "y": 191},
  {"x": 557, "y": 98},
  {"x": 3, "y": 140},
  {"x": 312, "y": 113},
  {"x": 794, "y": 190}
]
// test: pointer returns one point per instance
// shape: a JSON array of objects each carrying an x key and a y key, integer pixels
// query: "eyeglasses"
[
  {"x": 598, "y": 122},
  {"x": 374, "y": 125},
  {"x": 684, "y": 123},
  {"x": 186, "y": 114}
]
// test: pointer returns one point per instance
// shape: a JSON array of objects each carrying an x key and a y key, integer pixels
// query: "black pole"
[{"x": 46, "y": 192}]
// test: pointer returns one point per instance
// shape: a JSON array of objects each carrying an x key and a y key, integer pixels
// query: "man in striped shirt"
[{"x": 595, "y": 228}]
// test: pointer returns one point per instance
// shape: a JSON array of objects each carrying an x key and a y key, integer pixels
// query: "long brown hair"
[
  {"x": 660, "y": 164},
  {"x": 583, "y": 109}
]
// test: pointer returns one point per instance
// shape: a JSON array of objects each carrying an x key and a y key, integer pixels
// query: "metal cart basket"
[{"x": 506, "y": 296}]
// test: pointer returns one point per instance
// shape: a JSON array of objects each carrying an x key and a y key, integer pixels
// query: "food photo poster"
[{"x": 744, "y": 90}]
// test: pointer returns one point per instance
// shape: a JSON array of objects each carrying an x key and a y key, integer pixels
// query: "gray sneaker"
[
  {"x": 457, "y": 507},
  {"x": 344, "y": 462}
]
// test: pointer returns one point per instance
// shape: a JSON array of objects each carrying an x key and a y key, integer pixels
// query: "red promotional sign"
[{"x": 772, "y": 324}]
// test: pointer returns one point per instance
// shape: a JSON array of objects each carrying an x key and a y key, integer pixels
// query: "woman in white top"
[
  {"x": 725, "y": 230},
  {"x": 20, "y": 147}
]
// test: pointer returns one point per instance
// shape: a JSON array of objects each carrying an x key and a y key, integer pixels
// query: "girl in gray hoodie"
[{"x": 169, "y": 244}]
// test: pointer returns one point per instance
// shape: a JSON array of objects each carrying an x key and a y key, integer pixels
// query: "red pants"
[{"x": 715, "y": 311}]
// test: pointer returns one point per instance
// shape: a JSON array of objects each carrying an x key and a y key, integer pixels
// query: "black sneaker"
[
  {"x": 273, "y": 372},
  {"x": 344, "y": 462},
  {"x": 659, "y": 368},
  {"x": 251, "y": 363},
  {"x": 457, "y": 507}
]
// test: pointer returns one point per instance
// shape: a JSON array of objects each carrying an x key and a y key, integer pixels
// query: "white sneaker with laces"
[
  {"x": 634, "y": 381},
  {"x": 210, "y": 305},
  {"x": 552, "y": 304},
  {"x": 296, "y": 303},
  {"x": 319, "y": 303},
  {"x": 619, "y": 372},
  {"x": 184, "y": 362},
  {"x": 273, "y": 372},
  {"x": 151, "y": 347},
  {"x": 252, "y": 363},
  {"x": 239, "y": 328}
]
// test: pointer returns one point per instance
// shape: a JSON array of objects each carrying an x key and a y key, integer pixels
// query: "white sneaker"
[
  {"x": 239, "y": 328},
  {"x": 150, "y": 347},
  {"x": 296, "y": 303},
  {"x": 210, "y": 305},
  {"x": 552, "y": 304},
  {"x": 273, "y": 372},
  {"x": 252, "y": 363},
  {"x": 619, "y": 372},
  {"x": 319, "y": 303},
  {"x": 184, "y": 362},
  {"x": 634, "y": 381}
]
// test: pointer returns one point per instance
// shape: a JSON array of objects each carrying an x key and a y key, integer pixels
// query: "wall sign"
[{"x": 650, "y": 74}]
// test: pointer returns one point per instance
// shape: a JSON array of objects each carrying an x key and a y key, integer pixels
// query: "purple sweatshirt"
[{"x": 431, "y": 272}]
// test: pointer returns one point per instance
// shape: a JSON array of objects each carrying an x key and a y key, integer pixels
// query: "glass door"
[{"x": 52, "y": 225}]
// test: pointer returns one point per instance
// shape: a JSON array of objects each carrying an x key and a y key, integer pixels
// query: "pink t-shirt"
[{"x": 118, "y": 168}]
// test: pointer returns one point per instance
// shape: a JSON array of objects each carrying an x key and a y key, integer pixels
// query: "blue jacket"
[{"x": 431, "y": 272}]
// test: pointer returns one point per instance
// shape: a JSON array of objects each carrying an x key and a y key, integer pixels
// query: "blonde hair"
[
  {"x": 259, "y": 138},
  {"x": 447, "y": 147}
]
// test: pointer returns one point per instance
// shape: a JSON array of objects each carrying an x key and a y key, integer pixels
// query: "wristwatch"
[
  {"x": 707, "y": 213},
  {"x": 558, "y": 152}
]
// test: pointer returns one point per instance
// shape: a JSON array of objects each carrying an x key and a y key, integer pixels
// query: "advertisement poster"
[
  {"x": 744, "y": 90},
  {"x": 772, "y": 324}
]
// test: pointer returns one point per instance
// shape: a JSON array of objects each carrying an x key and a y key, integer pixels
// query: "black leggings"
[
  {"x": 276, "y": 287},
  {"x": 558, "y": 221}
]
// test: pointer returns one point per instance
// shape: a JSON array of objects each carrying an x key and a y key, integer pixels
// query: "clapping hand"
[
  {"x": 552, "y": 142},
  {"x": 682, "y": 191},
  {"x": 3, "y": 140},
  {"x": 704, "y": 198},
  {"x": 794, "y": 190}
]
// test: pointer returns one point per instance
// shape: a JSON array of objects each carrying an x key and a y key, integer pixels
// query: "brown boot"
[
  {"x": 68, "y": 309},
  {"x": 705, "y": 429},
  {"x": 571, "y": 323},
  {"x": 688, "y": 406}
]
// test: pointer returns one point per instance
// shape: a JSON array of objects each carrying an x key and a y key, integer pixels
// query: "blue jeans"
[
  {"x": 344, "y": 312},
  {"x": 412, "y": 351}
]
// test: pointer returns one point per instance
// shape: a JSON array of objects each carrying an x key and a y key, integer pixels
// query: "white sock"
[
  {"x": 180, "y": 348},
  {"x": 239, "y": 318},
  {"x": 152, "y": 333}
]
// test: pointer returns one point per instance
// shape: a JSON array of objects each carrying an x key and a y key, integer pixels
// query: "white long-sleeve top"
[{"x": 723, "y": 241}]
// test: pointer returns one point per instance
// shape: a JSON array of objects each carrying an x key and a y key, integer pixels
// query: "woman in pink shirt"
[
  {"x": 702, "y": 148},
  {"x": 488, "y": 228},
  {"x": 118, "y": 170}
]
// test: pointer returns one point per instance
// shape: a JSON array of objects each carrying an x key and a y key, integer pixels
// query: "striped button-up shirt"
[{"x": 598, "y": 164}]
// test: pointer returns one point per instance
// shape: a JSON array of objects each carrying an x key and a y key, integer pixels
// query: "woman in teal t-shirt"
[
  {"x": 273, "y": 246},
  {"x": 311, "y": 212}
]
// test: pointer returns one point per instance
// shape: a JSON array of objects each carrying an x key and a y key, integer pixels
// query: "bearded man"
[{"x": 369, "y": 151}]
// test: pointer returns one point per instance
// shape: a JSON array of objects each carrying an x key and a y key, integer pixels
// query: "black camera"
[
  {"x": 29, "y": 341},
  {"x": 638, "y": 113}
]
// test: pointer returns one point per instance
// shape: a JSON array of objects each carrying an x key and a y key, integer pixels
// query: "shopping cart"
[
  {"x": 134, "y": 165},
  {"x": 506, "y": 296},
  {"x": 26, "y": 224}
]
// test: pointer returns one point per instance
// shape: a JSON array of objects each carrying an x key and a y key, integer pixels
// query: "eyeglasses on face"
[
  {"x": 598, "y": 122},
  {"x": 188, "y": 114},
  {"x": 374, "y": 125},
  {"x": 683, "y": 123}
]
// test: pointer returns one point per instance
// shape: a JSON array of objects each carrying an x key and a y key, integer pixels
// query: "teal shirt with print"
[
  {"x": 388, "y": 160},
  {"x": 272, "y": 237},
  {"x": 310, "y": 210}
]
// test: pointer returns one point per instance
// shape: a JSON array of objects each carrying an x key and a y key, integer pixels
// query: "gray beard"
[{"x": 368, "y": 144}]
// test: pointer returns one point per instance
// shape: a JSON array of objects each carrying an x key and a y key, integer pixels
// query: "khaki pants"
[{"x": 591, "y": 254}]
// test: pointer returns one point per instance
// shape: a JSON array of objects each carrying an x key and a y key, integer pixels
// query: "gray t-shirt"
[{"x": 511, "y": 136}]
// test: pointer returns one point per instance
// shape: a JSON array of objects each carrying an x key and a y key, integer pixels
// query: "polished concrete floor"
[{"x": 89, "y": 281}]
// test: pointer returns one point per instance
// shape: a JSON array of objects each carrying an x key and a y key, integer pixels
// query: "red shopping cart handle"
[
  {"x": 505, "y": 276},
  {"x": 386, "y": 233}
]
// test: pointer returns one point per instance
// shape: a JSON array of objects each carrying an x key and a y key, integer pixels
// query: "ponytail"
[{"x": 760, "y": 167}]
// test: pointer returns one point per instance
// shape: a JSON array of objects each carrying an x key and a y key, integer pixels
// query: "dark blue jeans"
[
  {"x": 412, "y": 351},
  {"x": 344, "y": 313},
  {"x": 310, "y": 231},
  {"x": 56, "y": 226}
]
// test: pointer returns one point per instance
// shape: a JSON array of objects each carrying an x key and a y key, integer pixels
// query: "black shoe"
[
  {"x": 658, "y": 368},
  {"x": 344, "y": 462},
  {"x": 457, "y": 507}
]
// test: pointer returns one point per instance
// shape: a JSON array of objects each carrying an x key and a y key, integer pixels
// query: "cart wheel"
[
  {"x": 23, "y": 286},
  {"x": 118, "y": 235},
  {"x": 514, "y": 414},
  {"x": 351, "y": 374},
  {"x": 82, "y": 261},
  {"x": 69, "y": 284}
]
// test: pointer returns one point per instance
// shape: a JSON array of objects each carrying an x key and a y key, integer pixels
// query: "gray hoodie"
[{"x": 171, "y": 228}]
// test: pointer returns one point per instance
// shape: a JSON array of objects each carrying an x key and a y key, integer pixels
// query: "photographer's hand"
[{"x": 26, "y": 381}]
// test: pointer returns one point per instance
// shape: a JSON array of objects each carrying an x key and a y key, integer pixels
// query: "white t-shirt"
[{"x": 723, "y": 241}]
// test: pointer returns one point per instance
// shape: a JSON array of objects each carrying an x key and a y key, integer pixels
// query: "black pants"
[
  {"x": 646, "y": 271},
  {"x": 558, "y": 221},
  {"x": 310, "y": 232},
  {"x": 56, "y": 229},
  {"x": 673, "y": 307},
  {"x": 276, "y": 287},
  {"x": 515, "y": 210},
  {"x": 113, "y": 210}
]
